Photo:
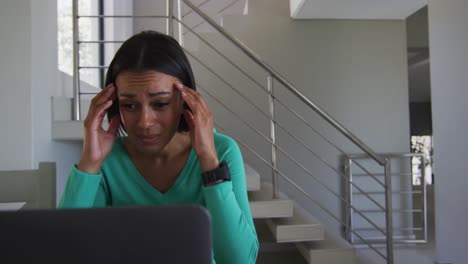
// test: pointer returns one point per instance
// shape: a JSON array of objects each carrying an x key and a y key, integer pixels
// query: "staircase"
[
  {"x": 285, "y": 231},
  {"x": 288, "y": 233}
]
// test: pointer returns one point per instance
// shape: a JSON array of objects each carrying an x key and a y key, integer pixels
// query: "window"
[
  {"x": 88, "y": 30},
  {"x": 422, "y": 144}
]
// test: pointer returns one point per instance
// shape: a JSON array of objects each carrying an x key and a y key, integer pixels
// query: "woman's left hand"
[{"x": 200, "y": 122}]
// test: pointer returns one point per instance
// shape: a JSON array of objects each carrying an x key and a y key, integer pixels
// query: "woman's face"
[{"x": 150, "y": 109}]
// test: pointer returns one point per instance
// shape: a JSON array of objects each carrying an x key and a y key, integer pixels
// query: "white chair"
[{"x": 34, "y": 187}]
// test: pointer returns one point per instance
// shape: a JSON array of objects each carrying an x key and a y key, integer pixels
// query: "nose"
[{"x": 147, "y": 118}]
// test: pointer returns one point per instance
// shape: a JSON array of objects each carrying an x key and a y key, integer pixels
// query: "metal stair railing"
[
  {"x": 414, "y": 232},
  {"x": 272, "y": 76}
]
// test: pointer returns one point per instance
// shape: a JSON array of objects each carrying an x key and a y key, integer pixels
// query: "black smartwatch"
[{"x": 218, "y": 174}]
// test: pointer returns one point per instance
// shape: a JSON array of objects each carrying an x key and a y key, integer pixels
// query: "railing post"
[
  {"x": 180, "y": 28},
  {"x": 170, "y": 17},
  {"x": 388, "y": 210},
  {"x": 348, "y": 196},
  {"x": 423, "y": 182},
  {"x": 76, "y": 60},
  {"x": 272, "y": 135}
]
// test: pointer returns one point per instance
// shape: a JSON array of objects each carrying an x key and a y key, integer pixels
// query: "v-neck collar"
[{"x": 145, "y": 184}]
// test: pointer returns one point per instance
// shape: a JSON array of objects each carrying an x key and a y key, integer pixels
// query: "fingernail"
[
  {"x": 179, "y": 85},
  {"x": 184, "y": 93}
]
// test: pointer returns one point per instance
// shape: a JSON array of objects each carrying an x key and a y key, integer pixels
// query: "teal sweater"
[{"x": 120, "y": 184}]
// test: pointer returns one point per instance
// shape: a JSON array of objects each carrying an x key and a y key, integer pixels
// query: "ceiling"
[{"x": 354, "y": 9}]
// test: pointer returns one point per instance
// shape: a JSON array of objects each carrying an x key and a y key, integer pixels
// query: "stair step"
[
  {"x": 314, "y": 253},
  {"x": 274, "y": 208},
  {"x": 295, "y": 229},
  {"x": 262, "y": 205},
  {"x": 252, "y": 178}
]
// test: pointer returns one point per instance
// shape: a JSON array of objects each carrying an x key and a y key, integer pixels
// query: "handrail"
[{"x": 289, "y": 86}]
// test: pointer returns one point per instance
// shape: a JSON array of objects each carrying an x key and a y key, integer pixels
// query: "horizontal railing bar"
[
  {"x": 396, "y": 241},
  {"x": 370, "y": 174},
  {"x": 394, "y": 192},
  {"x": 393, "y": 174},
  {"x": 119, "y": 16},
  {"x": 88, "y": 93},
  {"x": 99, "y": 41},
  {"x": 393, "y": 210},
  {"x": 290, "y": 87},
  {"x": 306, "y": 194},
  {"x": 395, "y": 228},
  {"x": 93, "y": 67},
  {"x": 387, "y": 155}
]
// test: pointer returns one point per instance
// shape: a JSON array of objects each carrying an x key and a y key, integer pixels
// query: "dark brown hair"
[{"x": 150, "y": 50}]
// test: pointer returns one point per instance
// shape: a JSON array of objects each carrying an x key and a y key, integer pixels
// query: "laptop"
[{"x": 165, "y": 234}]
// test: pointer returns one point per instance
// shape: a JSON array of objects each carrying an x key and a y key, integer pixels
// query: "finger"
[
  {"x": 193, "y": 99},
  {"x": 98, "y": 115},
  {"x": 104, "y": 95},
  {"x": 190, "y": 119},
  {"x": 114, "y": 125}
]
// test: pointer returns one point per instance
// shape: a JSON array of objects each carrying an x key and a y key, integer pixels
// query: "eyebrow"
[{"x": 129, "y": 95}]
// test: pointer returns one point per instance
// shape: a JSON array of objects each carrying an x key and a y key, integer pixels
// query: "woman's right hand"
[{"x": 97, "y": 142}]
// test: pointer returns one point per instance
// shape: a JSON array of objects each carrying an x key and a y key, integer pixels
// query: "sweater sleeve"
[
  {"x": 83, "y": 190},
  {"x": 234, "y": 236}
]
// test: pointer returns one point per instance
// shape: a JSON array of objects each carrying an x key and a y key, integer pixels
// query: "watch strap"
[{"x": 218, "y": 174}]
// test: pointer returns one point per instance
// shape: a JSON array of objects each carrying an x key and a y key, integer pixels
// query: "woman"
[{"x": 160, "y": 147}]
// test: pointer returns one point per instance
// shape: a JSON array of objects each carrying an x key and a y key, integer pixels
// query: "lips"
[{"x": 149, "y": 139}]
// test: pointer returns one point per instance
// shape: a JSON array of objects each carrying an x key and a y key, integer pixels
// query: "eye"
[
  {"x": 160, "y": 105},
  {"x": 128, "y": 106}
]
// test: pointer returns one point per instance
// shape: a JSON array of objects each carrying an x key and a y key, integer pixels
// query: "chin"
[{"x": 149, "y": 148}]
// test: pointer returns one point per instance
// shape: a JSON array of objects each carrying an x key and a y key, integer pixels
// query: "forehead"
[{"x": 143, "y": 81}]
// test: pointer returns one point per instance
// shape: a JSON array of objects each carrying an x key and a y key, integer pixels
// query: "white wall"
[
  {"x": 448, "y": 42},
  {"x": 15, "y": 79},
  {"x": 28, "y": 75},
  {"x": 45, "y": 84},
  {"x": 149, "y": 8}
]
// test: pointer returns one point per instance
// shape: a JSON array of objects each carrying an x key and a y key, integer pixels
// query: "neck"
[{"x": 179, "y": 143}]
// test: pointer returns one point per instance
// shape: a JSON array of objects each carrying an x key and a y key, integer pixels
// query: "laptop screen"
[{"x": 167, "y": 234}]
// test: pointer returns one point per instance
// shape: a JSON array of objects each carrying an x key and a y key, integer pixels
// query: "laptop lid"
[{"x": 167, "y": 234}]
